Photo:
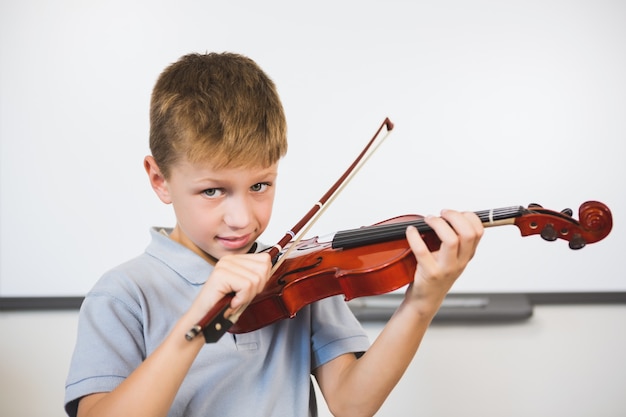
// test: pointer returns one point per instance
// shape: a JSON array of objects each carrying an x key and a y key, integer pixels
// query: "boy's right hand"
[{"x": 242, "y": 274}]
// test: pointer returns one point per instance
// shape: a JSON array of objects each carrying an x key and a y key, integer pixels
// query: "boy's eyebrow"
[{"x": 262, "y": 175}]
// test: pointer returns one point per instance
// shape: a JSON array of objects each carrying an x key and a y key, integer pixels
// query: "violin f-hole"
[{"x": 281, "y": 279}]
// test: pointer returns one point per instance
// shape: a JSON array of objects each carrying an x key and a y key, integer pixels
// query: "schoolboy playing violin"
[{"x": 217, "y": 134}]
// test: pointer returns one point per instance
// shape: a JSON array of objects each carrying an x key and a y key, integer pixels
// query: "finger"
[
  {"x": 464, "y": 223},
  {"x": 423, "y": 255},
  {"x": 446, "y": 234},
  {"x": 416, "y": 243},
  {"x": 468, "y": 229},
  {"x": 244, "y": 275}
]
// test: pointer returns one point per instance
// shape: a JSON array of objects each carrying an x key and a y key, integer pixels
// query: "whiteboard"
[{"x": 495, "y": 103}]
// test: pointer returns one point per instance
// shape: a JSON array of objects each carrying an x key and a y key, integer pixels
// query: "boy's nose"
[{"x": 238, "y": 213}]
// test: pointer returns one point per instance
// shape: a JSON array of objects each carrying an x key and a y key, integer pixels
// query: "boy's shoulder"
[{"x": 164, "y": 266}]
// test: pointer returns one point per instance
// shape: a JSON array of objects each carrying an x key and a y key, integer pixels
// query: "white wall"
[
  {"x": 496, "y": 103},
  {"x": 564, "y": 361}
]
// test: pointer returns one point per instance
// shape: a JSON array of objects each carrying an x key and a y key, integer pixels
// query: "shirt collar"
[{"x": 186, "y": 263}]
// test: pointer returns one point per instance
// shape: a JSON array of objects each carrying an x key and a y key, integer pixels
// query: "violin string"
[{"x": 384, "y": 232}]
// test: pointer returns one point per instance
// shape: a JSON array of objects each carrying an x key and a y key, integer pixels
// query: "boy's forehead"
[
  {"x": 229, "y": 153},
  {"x": 214, "y": 168}
]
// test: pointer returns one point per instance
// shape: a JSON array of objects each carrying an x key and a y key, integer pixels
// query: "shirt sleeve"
[
  {"x": 108, "y": 348},
  {"x": 335, "y": 331}
]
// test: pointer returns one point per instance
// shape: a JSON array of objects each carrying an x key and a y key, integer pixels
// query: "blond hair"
[{"x": 216, "y": 107}]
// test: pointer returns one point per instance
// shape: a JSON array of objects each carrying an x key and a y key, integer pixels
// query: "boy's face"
[{"x": 219, "y": 211}]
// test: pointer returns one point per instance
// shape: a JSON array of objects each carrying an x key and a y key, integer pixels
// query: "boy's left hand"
[{"x": 436, "y": 272}]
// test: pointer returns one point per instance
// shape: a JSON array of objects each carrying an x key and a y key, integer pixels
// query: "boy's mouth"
[{"x": 234, "y": 242}]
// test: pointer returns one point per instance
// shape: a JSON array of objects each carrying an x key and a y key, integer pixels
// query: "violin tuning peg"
[
  {"x": 577, "y": 242},
  {"x": 567, "y": 212},
  {"x": 548, "y": 233},
  {"x": 535, "y": 205}
]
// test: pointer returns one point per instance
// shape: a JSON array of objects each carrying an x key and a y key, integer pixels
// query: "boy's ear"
[{"x": 157, "y": 180}]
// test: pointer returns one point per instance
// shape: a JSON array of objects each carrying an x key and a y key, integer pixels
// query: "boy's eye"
[
  {"x": 261, "y": 186},
  {"x": 212, "y": 192}
]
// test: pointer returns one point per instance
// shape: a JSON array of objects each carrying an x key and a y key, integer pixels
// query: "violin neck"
[
  {"x": 501, "y": 216},
  {"x": 386, "y": 232}
]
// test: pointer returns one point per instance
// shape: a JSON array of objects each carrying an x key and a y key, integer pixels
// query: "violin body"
[{"x": 316, "y": 270}]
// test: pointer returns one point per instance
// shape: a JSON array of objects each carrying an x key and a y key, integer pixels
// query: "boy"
[{"x": 217, "y": 133}]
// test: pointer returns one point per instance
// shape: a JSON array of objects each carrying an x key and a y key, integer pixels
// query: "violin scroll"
[{"x": 595, "y": 223}]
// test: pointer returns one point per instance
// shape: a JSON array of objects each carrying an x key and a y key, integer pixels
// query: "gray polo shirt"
[{"x": 132, "y": 308}]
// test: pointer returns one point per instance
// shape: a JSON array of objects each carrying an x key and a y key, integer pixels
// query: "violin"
[{"x": 376, "y": 259}]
